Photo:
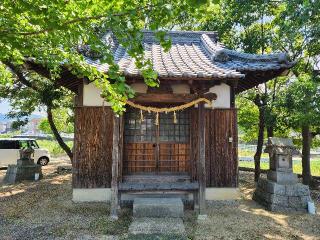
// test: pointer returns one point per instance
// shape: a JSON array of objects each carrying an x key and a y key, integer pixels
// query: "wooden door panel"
[
  {"x": 174, "y": 157},
  {"x": 156, "y": 148},
  {"x": 139, "y": 157}
]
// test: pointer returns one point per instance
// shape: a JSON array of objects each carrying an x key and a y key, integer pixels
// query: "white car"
[{"x": 9, "y": 151}]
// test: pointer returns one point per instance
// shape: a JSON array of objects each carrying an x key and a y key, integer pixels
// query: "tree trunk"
[
  {"x": 56, "y": 134},
  {"x": 270, "y": 132},
  {"x": 257, "y": 155},
  {"x": 306, "y": 145}
]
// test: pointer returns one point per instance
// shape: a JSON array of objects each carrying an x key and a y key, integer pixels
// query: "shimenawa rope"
[{"x": 166, "y": 109}]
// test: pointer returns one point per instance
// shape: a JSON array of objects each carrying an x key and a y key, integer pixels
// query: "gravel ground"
[
  {"x": 44, "y": 210},
  {"x": 245, "y": 219}
]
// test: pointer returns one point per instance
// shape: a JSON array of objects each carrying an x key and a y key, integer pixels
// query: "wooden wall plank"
[
  {"x": 221, "y": 155},
  {"x": 93, "y": 147},
  {"x": 223, "y": 150}
]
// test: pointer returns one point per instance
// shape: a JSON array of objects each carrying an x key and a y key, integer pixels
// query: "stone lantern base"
[
  {"x": 285, "y": 177},
  {"x": 25, "y": 169},
  {"x": 282, "y": 197}
]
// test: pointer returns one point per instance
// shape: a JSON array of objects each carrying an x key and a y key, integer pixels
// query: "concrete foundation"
[
  {"x": 91, "y": 194},
  {"x": 104, "y": 195},
  {"x": 221, "y": 194}
]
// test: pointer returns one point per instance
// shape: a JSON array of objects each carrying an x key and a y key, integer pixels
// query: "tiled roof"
[{"x": 193, "y": 55}]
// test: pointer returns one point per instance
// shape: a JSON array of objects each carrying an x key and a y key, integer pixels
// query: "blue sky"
[{"x": 5, "y": 108}]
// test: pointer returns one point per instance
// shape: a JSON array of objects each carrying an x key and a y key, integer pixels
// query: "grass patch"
[
  {"x": 104, "y": 225},
  {"x": 249, "y": 153},
  {"x": 53, "y": 147},
  {"x": 297, "y": 166}
]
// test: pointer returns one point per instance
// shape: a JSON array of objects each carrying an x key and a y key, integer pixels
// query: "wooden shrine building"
[{"x": 191, "y": 152}]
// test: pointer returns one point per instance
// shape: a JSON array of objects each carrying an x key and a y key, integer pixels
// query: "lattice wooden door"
[{"x": 150, "y": 148}]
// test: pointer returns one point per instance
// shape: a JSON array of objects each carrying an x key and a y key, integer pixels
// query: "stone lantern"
[
  {"x": 25, "y": 169},
  {"x": 280, "y": 158},
  {"x": 280, "y": 191},
  {"x": 25, "y": 157}
]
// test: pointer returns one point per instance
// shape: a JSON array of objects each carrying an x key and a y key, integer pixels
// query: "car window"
[
  {"x": 9, "y": 144},
  {"x": 34, "y": 144},
  {"x": 24, "y": 144}
]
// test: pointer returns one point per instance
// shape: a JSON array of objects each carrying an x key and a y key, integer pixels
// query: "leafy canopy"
[
  {"x": 63, "y": 119},
  {"x": 265, "y": 26},
  {"x": 300, "y": 102},
  {"x": 49, "y": 33}
]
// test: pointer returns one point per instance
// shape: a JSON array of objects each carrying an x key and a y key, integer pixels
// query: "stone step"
[
  {"x": 156, "y": 179},
  {"x": 157, "y": 228},
  {"x": 158, "y": 207},
  {"x": 150, "y": 186}
]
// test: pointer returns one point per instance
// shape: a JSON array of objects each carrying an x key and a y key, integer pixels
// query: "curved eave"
[
  {"x": 188, "y": 78},
  {"x": 254, "y": 78},
  {"x": 248, "y": 80}
]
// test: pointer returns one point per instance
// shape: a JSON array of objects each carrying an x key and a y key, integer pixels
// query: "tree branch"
[
  {"x": 45, "y": 72},
  {"x": 57, "y": 135},
  {"x": 18, "y": 72}
]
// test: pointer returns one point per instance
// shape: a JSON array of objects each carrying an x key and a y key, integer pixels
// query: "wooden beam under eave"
[
  {"x": 162, "y": 98},
  {"x": 169, "y": 98},
  {"x": 254, "y": 78},
  {"x": 79, "y": 96}
]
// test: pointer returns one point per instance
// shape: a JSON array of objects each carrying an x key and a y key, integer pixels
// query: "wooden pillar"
[
  {"x": 232, "y": 96},
  {"x": 202, "y": 160},
  {"x": 115, "y": 168}
]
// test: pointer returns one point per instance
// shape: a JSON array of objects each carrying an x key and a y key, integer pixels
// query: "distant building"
[
  {"x": 32, "y": 127},
  {"x": 8, "y": 127},
  {"x": 3, "y": 127}
]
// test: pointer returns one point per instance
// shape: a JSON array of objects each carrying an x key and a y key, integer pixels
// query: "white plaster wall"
[
  {"x": 91, "y": 96},
  {"x": 91, "y": 194},
  {"x": 222, "y": 194},
  {"x": 223, "y": 95}
]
